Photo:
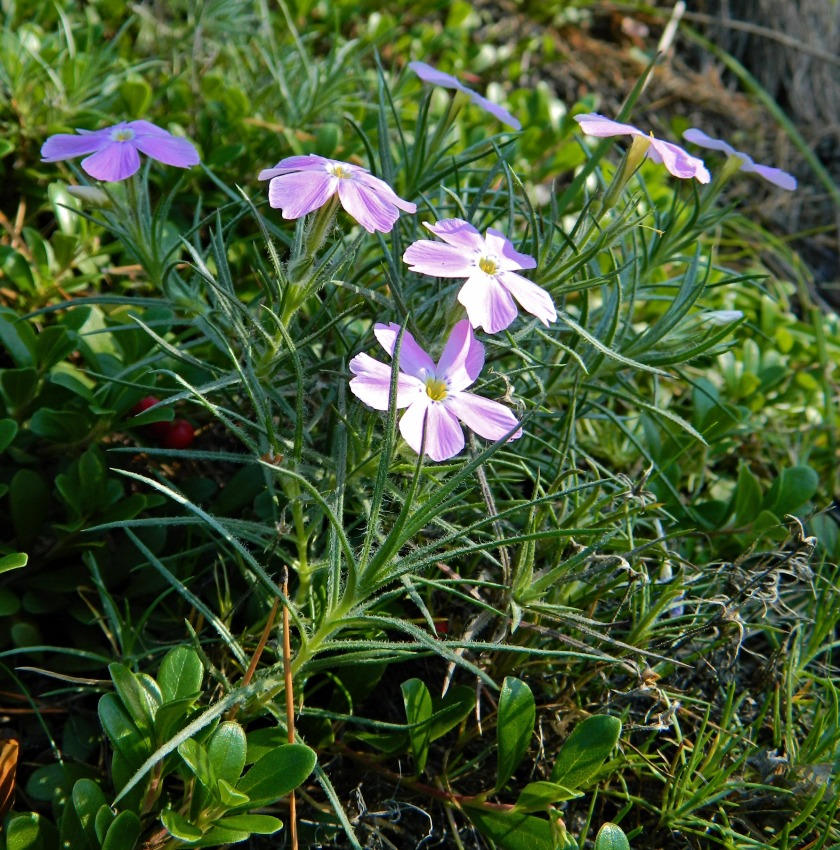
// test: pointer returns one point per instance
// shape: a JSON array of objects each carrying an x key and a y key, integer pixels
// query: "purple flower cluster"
[{"x": 434, "y": 395}]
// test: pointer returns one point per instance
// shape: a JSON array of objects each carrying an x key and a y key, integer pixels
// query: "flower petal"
[
  {"x": 431, "y": 75},
  {"x": 594, "y": 124},
  {"x": 488, "y": 304},
  {"x": 773, "y": 175},
  {"x": 698, "y": 137},
  {"x": 146, "y": 128},
  {"x": 372, "y": 383},
  {"x": 168, "y": 149},
  {"x": 494, "y": 109},
  {"x": 439, "y": 260},
  {"x": 67, "y": 146},
  {"x": 382, "y": 189},
  {"x": 458, "y": 233},
  {"x": 679, "y": 162},
  {"x": 502, "y": 247},
  {"x": 462, "y": 359},
  {"x": 113, "y": 161},
  {"x": 487, "y": 418},
  {"x": 366, "y": 206},
  {"x": 532, "y": 298},
  {"x": 413, "y": 360},
  {"x": 301, "y": 192},
  {"x": 444, "y": 436},
  {"x": 312, "y": 162}
]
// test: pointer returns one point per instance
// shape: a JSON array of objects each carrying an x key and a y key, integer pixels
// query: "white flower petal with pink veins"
[
  {"x": 439, "y": 260},
  {"x": 444, "y": 436},
  {"x": 487, "y": 418},
  {"x": 413, "y": 359},
  {"x": 532, "y": 298},
  {"x": 488, "y": 304},
  {"x": 372, "y": 384},
  {"x": 462, "y": 359},
  {"x": 458, "y": 233}
]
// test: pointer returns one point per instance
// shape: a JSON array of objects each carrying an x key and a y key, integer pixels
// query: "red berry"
[
  {"x": 157, "y": 429},
  {"x": 179, "y": 435},
  {"x": 144, "y": 404}
]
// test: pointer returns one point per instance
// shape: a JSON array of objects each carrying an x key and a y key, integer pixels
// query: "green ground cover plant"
[{"x": 394, "y": 456}]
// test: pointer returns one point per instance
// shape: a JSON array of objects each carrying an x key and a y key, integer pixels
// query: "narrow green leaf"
[
  {"x": 586, "y": 749},
  {"x": 514, "y": 727}
]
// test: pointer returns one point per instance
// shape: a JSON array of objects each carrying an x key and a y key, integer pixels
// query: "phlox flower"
[
  {"x": 679, "y": 162},
  {"x": 488, "y": 263},
  {"x": 434, "y": 394},
  {"x": 301, "y": 184},
  {"x": 431, "y": 75},
  {"x": 773, "y": 175},
  {"x": 114, "y": 152}
]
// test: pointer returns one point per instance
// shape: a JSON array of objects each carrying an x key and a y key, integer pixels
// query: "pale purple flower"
[
  {"x": 301, "y": 184},
  {"x": 433, "y": 393},
  {"x": 114, "y": 153},
  {"x": 488, "y": 263},
  {"x": 679, "y": 162},
  {"x": 431, "y": 75},
  {"x": 773, "y": 175}
]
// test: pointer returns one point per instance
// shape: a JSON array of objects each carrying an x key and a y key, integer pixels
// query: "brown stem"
[{"x": 255, "y": 659}]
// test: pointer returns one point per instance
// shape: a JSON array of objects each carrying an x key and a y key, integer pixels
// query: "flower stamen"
[
  {"x": 338, "y": 170},
  {"x": 436, "y": 389},
  {"x": 489, "y": 265}
]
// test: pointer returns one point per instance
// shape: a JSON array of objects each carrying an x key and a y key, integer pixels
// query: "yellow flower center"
[
  {"x": 435, "y": 389},
  {"x": 124, "y": 135},
  {"x": 489, "y": 265},
  {"x": 340, "y": 171}
]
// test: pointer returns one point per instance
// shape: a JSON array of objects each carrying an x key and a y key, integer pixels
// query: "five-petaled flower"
[
  {"x": 114, "y": 152},
  {"x": 431, "y": 75},
  {"x": 679, "y": 162},
  {"x": 773, "y": 175},
  {"x": 434, "y": 394},
  {"x": 301, "y": 184},
  {"x": 488, "y": 263}
]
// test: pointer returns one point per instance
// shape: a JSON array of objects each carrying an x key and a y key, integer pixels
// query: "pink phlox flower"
[
  {"x": 773, "y": 175},
  {"x": 434, "y": 394},
  {"x": 678, "y": 161},
  {"x": 488, "y": 264},
  {"x": 431, "y": 75},
  {"x": 301, "y": 184},
  {"x": 114, "y": 152}
]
